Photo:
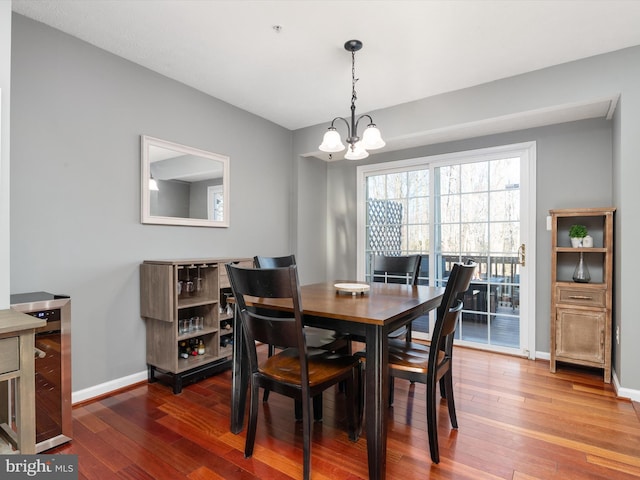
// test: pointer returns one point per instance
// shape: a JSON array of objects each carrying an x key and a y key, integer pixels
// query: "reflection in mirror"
[{"x": 183, "y": 185}]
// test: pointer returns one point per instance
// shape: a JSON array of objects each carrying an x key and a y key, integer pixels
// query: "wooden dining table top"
[{"x": 382, "y": 304}]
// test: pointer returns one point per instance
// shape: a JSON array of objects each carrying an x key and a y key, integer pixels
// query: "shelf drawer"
[
  {"x": 585, "y": 297},
  {"x": 9, "y": 355}
]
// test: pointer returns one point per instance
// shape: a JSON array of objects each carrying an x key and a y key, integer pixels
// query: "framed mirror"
[{"x": 183, "y": 185}]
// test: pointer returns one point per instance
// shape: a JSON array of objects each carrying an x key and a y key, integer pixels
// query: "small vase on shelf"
[{"x": 581, "y": 273}]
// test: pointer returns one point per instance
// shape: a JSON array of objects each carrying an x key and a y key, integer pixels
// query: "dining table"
[{"x": 369, "y": 315}]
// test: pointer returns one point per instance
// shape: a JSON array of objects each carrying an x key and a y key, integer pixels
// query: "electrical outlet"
[{"x": 618, "y": 334}]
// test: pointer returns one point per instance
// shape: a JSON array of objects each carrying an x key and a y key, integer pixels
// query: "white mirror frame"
[{"x": 147, "y": 218}]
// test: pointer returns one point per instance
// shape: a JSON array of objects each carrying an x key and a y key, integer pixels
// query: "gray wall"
[
  {"x": 311, "y": 204},
  {"x": 570, "y": 84},
  {"x": 574, "y": 169},
  {"x": 75, "y": 187}
]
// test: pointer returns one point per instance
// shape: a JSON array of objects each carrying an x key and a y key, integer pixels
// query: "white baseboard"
[
  {"x": 543, "y": 356},
  {"x": 107, "y": 387},
  {"x": 629, "y": 393}
]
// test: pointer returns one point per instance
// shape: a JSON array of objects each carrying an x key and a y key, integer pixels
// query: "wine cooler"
[{"x": 53, "y": 365}]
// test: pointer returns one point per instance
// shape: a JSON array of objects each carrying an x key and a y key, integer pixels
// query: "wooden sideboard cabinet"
[
  {"x": 581, "y": 331},
  {"x": 184, "y": 306}
]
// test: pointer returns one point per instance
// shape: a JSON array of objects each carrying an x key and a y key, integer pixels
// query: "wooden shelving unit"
[
  {"x": 184, "y": 301},
  {"x": 581, "y": 312}
]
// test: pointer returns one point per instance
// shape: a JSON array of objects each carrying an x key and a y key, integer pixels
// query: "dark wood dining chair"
[
  {"x": 397, "y": 269},
  {"x": 317, "y": 338},
  {"x": 296, "y": 371},
  {"x": 432, "y": 364}
]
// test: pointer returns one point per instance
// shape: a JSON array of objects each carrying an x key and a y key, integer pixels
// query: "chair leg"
[
  {"x": 253, "y": 422},
  {"x": 353, "y": 398},
  {"x": 346, "y": 350},
  {"x": 265, "y": 395},
  {"x": 317, "y": 409},
  {"x": 297, "y": 410},
  {"x": 447, "y": 380},
  {"x": 360, "y": 385},
  {"x": 306, "y": 440},
  {"x": 432, "y": 425},
  {"x": 391, "y": 389}
]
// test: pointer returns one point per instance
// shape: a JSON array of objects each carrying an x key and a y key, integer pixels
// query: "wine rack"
[{"x": 184, "y": 303}]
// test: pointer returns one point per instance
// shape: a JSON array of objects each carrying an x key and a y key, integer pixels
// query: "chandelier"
[{"x": 371, "y": 138}]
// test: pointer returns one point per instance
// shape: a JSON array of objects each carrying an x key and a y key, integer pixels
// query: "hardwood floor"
[{"x": 516, "y": 421}]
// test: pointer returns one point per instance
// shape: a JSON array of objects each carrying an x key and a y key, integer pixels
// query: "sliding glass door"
[{"x": 455, "y": 208}]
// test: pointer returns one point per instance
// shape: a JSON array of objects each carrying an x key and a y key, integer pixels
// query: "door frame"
[{"x": 527, "y": 152}]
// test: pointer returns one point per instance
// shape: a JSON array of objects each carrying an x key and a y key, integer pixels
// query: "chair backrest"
[
  {"x": 274, "y": 262},
  {"x": 268, "y": 325},
  {"x": 451, "y": 306},
  {"x": 402, "y": 269}
]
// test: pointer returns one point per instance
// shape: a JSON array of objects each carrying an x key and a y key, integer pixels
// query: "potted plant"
[{"x": 576, "y": 234}]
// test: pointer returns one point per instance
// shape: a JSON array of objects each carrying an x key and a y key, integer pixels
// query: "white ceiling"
[{"x": 301, "y": 75}]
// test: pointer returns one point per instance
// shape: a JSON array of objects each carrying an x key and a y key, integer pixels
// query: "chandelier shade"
[
  {"x": 371, "y": 138},
  {"x": 331, "y": 141},
  {"x": 357, "y": 148},
  {"x": 356, "y": 152}
]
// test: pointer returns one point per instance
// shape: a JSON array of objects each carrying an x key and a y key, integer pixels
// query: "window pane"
[
  {"x": 505, "y": 331},
  {"x": 449, "y": 208},
  {"x": 474, "y": 328},
  {"x": 474, "y": 177},
  {"x": 505, "y": 174},
  {"x": 475, "y": 207},
  {"x": 450, "y": 238},
  {"x": 505, "y": 237},
  {"x": 448, "y": 179},
  {"x": 376, "y": 186},
  {"x": 505, "y": 205},
  {"x": 418, "y": 210},
  {"x": 396, "y": 185},
  {"x": 418, "y": 236},
  {"x": 418, "y": 181},
  {"x": 475, "y": 237}
]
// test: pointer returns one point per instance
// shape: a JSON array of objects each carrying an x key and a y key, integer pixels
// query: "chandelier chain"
[{"x": 354, "y": 97}]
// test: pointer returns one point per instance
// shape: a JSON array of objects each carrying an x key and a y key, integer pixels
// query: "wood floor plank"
[{"x": 203, "y": 473}]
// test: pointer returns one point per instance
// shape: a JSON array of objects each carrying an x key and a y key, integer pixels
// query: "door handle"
[{"x": 521, "y": 254}]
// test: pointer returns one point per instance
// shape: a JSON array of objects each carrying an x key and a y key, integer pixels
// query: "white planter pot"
[{"x": 576, "y": 242}]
